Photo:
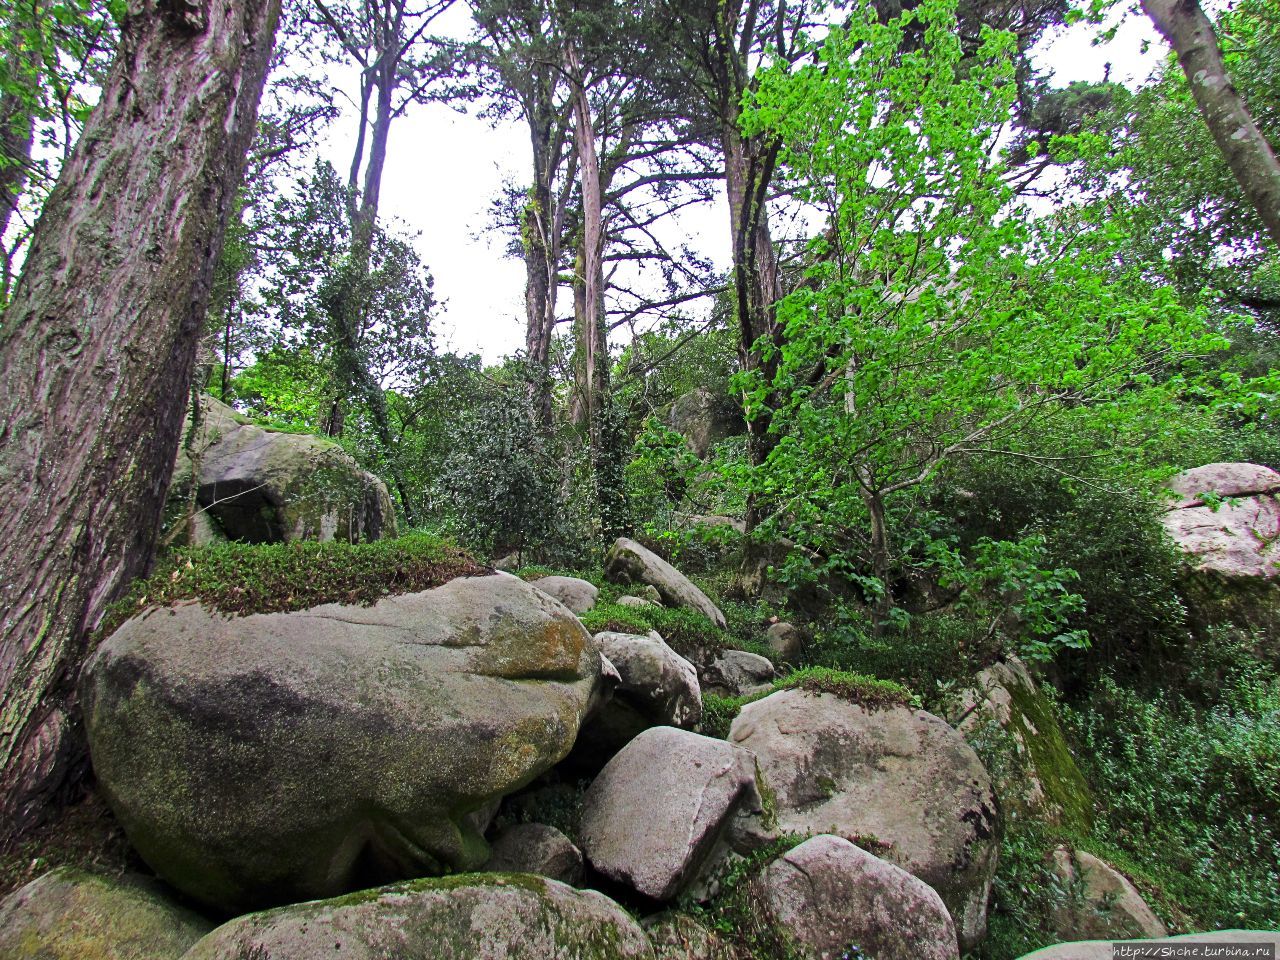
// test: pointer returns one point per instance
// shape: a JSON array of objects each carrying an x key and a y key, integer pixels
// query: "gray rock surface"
[
  {"x": 1101, "y": 903},
  {"x": 578, "y": 595},
  {"x": 653, "y": 678},
  {"x": 736, "y": 673},
  {"x": 536, "y": 848},
  {"x": 827, "y": 895},
  {"x": 900, "y": 777},
  {"x": 704, "y": 419},
  {"x": 629, "y": 601},
  {"x": 280, "y": 757},
  {"x": 1104, "y": 949},
  {"x": 467, "y": 917},
  {"x": 652, "y": 817},
  {"x": 1225, "y": 480},
  {"x": 629, "y": 562},
  {"x": 68, "y": 914},
  {"x": 267, "y": 486}
]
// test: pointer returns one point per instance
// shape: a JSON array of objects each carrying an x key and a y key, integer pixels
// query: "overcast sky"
[{"x": 443, "y": 167}]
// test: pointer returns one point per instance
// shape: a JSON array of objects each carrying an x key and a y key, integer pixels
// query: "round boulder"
[
  {"x": 578, "y": 595},
  {"x": 629, "y": 562},
  {"x": 1100, "y": 903},
  {"x": 827, "y": 896},
  {"x": 894, "y": 776},
  {"x": 71, "y": 915},
  {"x": 476, "y": 917},
  {"x": 536, "y": 848},
  {"x": 280, "y": 757}
]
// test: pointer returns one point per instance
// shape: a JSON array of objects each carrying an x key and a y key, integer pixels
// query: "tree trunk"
[
  {"x": 1247, "y": 152},
  {"x": 96, "y": 353},
  {"x": 880, "y": 560}
]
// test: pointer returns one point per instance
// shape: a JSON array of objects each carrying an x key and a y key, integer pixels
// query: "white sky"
[{"x": 443, "y": 167}]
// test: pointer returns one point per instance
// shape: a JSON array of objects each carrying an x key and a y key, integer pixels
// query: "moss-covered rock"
[
  {"x": 470, "y": 917},
  {"x": 1042, "y": 779},
  {"x": 266, "y": 486},
  {"x": 629, "y": 562},
  {"x": 277, "y": 757},
  {"x": 71, "y": 915}
]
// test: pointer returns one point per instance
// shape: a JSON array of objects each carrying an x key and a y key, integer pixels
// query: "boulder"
[
  {"x": 1100, "y": 903},
  {"x": 1043, "y": 780},
  {"x": 467, "y": 917},
  {"x": 1107, "y": 949},
  {"x": 704, "y": 419},
  {"x": 72, "y": 915},
  {"x": 827, "y": 896},
  {"x": 629, "y": 601},
  {"x": 629, "y": 562},
  {"x": 653, "y": 816},
  {"x": 897, "y": 777},
  {"x": 536, "y": 848},
  {"x": 578, "y": 595},
  {"x": 1233, "y": 545},
  {"x": 286, "y": 756},
  {"x": 786, "y": 640},
  {"x": 267, "y": 486},
  {"x": 653, "y": 678},
  {"x": 736, "y": 673},
  {"x": 677, "y": 936}
]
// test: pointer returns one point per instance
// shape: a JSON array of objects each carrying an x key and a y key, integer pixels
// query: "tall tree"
[
  {"x": 1247, "y": 151},
  {"x": 96, "y": 352}
]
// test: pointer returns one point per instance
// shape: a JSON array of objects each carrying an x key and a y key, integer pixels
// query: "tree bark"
[
  {"x": 97, "y": 350},
  {"x": 1248, "y": 153}
]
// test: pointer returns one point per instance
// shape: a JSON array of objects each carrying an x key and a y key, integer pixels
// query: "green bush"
[{"x": 1191, "y": 789}]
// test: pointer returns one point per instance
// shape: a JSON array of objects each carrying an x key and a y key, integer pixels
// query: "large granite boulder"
[
  {"x": 267, "y": 486},
  {"x": 654, "y": 678},
  {"x": 576, "y": 594},
  {"x": 704, "y": 419},
  {"x": 827, "y": 896},
  {"x": 1226, "y": 519},
  {"x": 737, "y": 673},
  {"x": 1100, "y": 903},
  {"x": 629, "y": 562},
  {"x": 1042, "y": 780},
  {"x": 653, "y": 816},
  {"x": 1107, "y": 949},
  {"x": 279, "y": 757},
  {"x": 68, "y": 914},
  {"x": 896, "y": 776},
  {"x": 468, "y": 917}
]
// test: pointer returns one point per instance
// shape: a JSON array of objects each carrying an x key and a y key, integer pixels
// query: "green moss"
[
  {"x": 865, "y": 691},
  {"x": 687, "y": 632},
  {"x": 241, "y": 579},
  {"x": 1032, "y": 717},
  {"x": 718, "y": 713}
]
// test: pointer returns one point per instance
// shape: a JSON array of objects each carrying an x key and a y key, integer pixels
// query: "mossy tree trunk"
[{"x": 96, "y": 353}]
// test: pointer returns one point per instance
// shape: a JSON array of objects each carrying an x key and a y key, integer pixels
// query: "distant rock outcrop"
[
  {"x": 1227, "y": 521},
  {"x": 267, "y": 486},
  {"x": 287, "y": 756},
  {"x": 704, "y": 419}
]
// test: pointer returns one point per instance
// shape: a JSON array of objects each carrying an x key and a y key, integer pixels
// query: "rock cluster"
[{"x": 364, "y": 779}]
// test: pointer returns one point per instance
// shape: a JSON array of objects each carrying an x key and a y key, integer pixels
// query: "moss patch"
[
  {"x": 241, "y": 579},
  {"x": 687, "y": 632},
  {"x": 858, "y": 688},
  {"x": 1032, "y": 717}
]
